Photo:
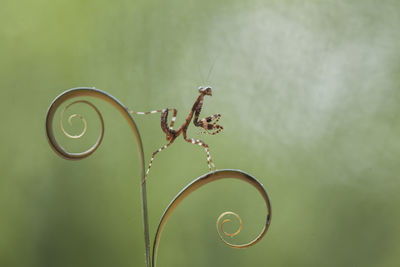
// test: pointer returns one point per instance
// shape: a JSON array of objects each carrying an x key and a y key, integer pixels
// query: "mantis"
[{"x": 209, "y": 124}]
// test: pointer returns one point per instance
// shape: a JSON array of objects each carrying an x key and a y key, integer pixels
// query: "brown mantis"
[{"x": 209, "y": 124}]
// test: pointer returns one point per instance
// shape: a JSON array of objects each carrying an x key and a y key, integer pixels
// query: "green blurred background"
[{"x": 309, "y": 93}]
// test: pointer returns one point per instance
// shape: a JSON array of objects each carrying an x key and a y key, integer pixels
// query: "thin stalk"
[{"x": 145, "y": 222}]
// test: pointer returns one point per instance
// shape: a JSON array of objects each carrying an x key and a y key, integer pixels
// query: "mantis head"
[{"x": 205, "y": 90}]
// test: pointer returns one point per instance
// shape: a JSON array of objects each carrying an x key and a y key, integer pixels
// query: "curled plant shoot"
[{"x": 221, "y": 224}]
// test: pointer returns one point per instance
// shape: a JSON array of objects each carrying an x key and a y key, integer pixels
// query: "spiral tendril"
[
  {"x": 203, "y": 180},
  {"x": 83, "y": 132},
  {"x": 54, "y": 143},
  {"x": 221, "y": 224}
]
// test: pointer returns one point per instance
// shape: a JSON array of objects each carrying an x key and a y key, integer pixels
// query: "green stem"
[{"x": 145, "y": 222}]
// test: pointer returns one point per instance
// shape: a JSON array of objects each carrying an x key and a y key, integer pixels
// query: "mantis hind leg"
[
  {"x": 153, "y": 155},
  {"x": 206, "y": 148}
]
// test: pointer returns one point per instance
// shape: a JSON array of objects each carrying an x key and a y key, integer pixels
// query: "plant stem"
[{"x": 145, "y": 222}]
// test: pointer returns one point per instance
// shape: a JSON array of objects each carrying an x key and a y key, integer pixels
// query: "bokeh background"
[{"x": 309, "y": 93}]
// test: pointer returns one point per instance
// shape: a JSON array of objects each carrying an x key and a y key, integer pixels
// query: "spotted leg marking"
[
  {"x": 207, "y": 125},
  {"x": 147, "y": 112},
  {"x": 173, "y": 117},
  {"x": 215, "y": 117},
  {"x": 219, "y": 129},
  {"x": 206, "y": 148},
  {"x": 159, "y": 111},
  {"x": 152, "y": 158}
]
